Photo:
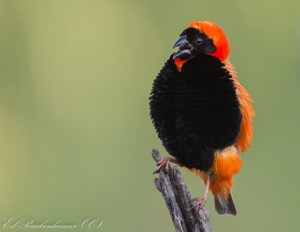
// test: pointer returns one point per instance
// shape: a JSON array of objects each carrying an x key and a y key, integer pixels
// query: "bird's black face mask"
[{"x": 191, "y": 43}]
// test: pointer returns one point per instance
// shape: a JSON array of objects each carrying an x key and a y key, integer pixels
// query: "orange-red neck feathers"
[{"x": 179, "y": 62}]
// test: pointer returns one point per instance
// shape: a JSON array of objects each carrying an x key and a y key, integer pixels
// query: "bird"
[{"x": 201, "y": 113}]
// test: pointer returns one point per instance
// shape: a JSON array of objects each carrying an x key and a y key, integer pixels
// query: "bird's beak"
[
  {"x": 181, "y": 41},
  {"x": 185, "y": 48}
]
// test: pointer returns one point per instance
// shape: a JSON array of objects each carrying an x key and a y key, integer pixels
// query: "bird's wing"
[{"x": 246, "y": 132}]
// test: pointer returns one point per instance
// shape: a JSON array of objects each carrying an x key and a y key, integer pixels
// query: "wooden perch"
[{"x": 179, "y": 201}]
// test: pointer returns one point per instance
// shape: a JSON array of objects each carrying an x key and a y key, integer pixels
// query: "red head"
[{"x": 201, "y": 37}]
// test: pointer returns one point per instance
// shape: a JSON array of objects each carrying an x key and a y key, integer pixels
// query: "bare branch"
[{"x": 179, "y": 201}]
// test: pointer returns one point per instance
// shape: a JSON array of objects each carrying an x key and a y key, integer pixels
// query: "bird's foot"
[
  {"x": 165, "y": 161},
  {"x": 199, "y": 203}
]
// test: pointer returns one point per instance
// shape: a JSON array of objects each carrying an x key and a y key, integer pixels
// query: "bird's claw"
[
  {"x": 199, "y": 203},
  {"x": 165, "y": 161}
]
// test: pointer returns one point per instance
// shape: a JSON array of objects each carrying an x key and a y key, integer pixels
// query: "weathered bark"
[{"x": 186, "y": 218}]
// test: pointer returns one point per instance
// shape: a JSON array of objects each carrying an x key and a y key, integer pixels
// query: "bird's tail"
[
  {"x": 225, "y": 206},
  {"x": 226, "y": 164}
]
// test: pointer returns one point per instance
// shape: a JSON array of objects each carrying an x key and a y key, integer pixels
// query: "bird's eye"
[{"x": 199, "y": 41}]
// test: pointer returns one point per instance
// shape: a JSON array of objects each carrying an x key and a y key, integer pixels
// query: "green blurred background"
[{"x": 76, "y": 137}]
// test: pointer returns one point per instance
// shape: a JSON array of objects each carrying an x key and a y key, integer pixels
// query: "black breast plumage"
[{"x": 195, "y": 111}]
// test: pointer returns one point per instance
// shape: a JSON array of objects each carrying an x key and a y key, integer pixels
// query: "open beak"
[
  {"x": 185, "y": 48},
  {"x": 181, "y": 41}
]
